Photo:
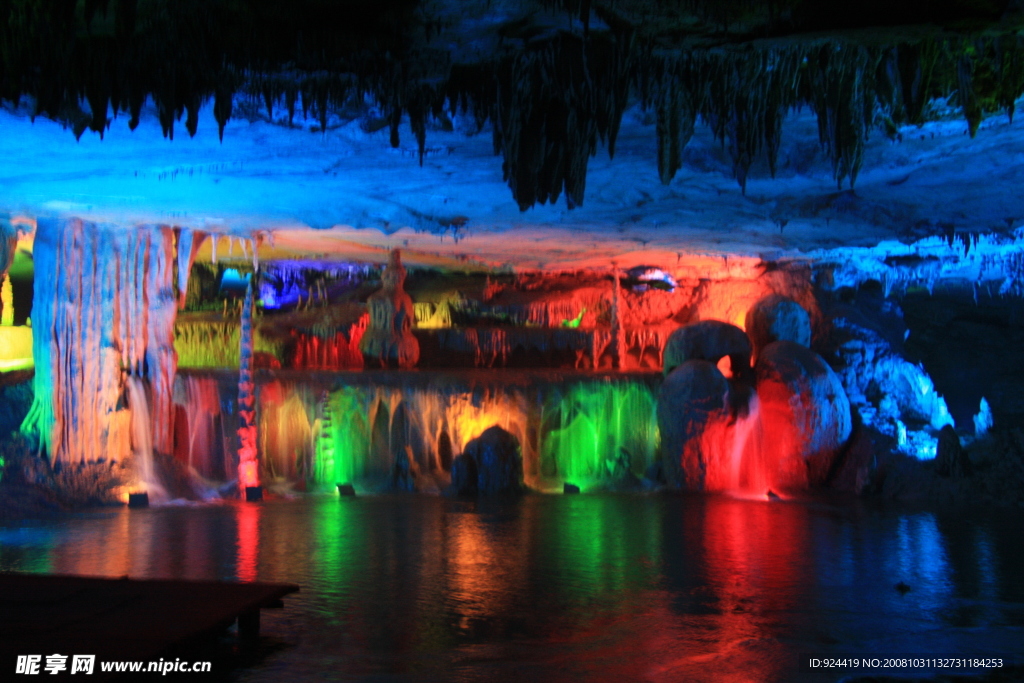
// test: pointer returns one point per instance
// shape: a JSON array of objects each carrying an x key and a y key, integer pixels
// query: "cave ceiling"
[{"x": 519, "y": 134}]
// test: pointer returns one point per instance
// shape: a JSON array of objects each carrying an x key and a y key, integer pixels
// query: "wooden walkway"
[{"x": 120, "y": 619}]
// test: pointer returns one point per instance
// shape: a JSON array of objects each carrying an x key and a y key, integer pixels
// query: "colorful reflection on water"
[{"x": 594, "y": 587}]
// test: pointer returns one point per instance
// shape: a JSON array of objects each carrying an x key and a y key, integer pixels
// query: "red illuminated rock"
[
  {"x": 778, "y": 318},
  {"x": 708, "y": 340},
  {"x": 388, "y": 341},
  {"x": 804, "y": 414},
  {"x": 692, "y": 408}
]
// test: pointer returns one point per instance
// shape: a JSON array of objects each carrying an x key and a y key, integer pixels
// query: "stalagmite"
[
  {"x": 805, "y": 414},
  {"x": 248, "y": 465},
  {"x": 708, "y": 340},
  {"x": 777, "y": 317},
  {"x": 692, "y": 410}
]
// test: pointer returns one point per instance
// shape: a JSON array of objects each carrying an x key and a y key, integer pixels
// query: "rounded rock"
[
  {"x": 498, "y": 460},
  {"x": 708, "y": 340},
  {"x": 693, "y": 399},
  {"x": 804, "y": 411},
  {"x": 778, "y": 318}
]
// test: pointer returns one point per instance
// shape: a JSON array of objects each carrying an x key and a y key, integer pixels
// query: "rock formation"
[
  {"x": 804, "y": 411},
  {"x": 951, "y": 460},
  {"x": 388, "y": 341},
  {"x": 709, "y": 340},
  {"x": 490, "y": 465},
  {"x": 693, "y": 403},
  {"x": 103, "y": 303},
  {"x": 777, "y": 318}
]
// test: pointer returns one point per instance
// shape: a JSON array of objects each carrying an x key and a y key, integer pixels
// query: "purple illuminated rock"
[
  {"x": 709, "y": 340},
  {"x": 778, "y": 318},
  {"x": 693, "y": 400},
  {"x": 804, "y": 411}
]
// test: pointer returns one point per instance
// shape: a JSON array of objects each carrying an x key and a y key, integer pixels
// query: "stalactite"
[
  {"x": 103, "y": 305},
  {"x": 843, "y": 98},
  {"x": 551, "y": 98},
  {"x": 189, "y": 242},
  {"x": 553, "y": 102},
  {"x": 676, "y": 118}
]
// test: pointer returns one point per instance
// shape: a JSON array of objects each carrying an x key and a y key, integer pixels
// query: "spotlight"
[{"x": 138, "y": 500}]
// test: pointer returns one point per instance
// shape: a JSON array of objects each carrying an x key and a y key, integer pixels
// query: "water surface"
[{"x": 589, "y": 588}]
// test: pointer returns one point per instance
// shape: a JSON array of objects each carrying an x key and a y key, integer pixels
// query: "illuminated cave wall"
[{"x": 321, "y": 431}]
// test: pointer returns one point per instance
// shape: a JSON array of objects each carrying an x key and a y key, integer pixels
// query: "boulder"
[
  {"x": 778, "y": 318},
  {"x": 804, "y": 413},
  {"x": 692, "y": 402},
  {"x": 495, "y": 459},
  {"x": 708, "y": 340}
]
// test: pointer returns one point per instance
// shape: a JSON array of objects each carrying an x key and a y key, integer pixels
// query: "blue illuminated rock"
[
  {"x": 490, "y": 465},
  {"x": 951, "y": 460},
  {"x": 777, "y": 318}
]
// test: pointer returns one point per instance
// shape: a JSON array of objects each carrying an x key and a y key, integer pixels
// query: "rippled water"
[{"x": 589, "y": 588}]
